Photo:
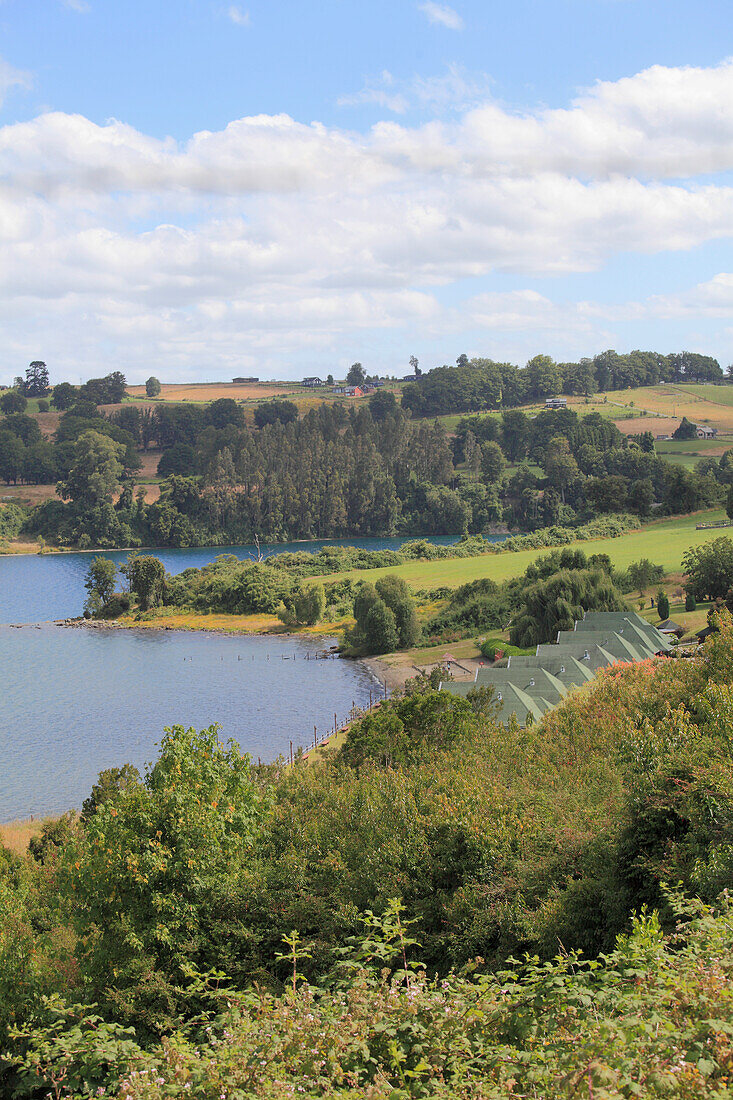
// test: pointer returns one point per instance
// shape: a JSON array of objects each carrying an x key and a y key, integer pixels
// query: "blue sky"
[{"x": 201, "y": 189}]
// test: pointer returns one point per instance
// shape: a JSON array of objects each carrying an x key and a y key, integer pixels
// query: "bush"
[
  {"x": 662, "y": 605},
  {"x": 690, "y": 604}
]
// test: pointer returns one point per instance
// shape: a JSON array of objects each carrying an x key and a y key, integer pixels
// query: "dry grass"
[
  {"x": 230, "y": 624},
  {"x": 212, "y": 391},
  {"x": 657, "y": 425},
  {"x": 28, "y": 494},
  {"x": 17, "y": 835},
  {"x": 677, "y": 402}
]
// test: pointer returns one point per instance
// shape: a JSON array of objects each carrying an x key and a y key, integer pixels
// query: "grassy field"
[
  {"x": 171, "y": 618},
  {"x": 663, "y": 541},
  {"x": 701, "y": 404},
  {"x": 699, "y": 447},
  {"x": 17, "y": 835},
  {"x": 720, "y": 395}
]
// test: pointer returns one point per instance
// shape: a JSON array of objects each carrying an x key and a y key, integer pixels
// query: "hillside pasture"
[
  {"x": 663, "y": 542},
  {"x": 204, "y": 392},
  {"x": 701, "y": 404}
]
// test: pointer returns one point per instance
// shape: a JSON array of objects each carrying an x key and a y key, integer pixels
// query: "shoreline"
[
  {"x": 197, "y": 628},
  {"x": 49, "y": 551}
]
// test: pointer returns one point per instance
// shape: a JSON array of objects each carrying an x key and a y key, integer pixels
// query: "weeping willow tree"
[{"x": 554, "y": 603}]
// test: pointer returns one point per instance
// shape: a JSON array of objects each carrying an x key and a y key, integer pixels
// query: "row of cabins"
[{"x": 531, "y": 685}]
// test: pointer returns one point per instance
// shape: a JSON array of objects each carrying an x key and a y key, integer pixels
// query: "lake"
[{"x": 75, "y": 701}]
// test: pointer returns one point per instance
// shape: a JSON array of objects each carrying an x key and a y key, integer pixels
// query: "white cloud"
[
  {"x": 273, "y": 240},
  {"x": 441, "y": 14},
  {"x": 80, "y": 6},
  {"x": 241, "y": 18},
  {"x": 12, "y": 78}
]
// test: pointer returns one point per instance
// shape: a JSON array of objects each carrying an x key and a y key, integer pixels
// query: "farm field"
[
  {"x": 663, "y": 542},
  {"x": 700, "y": 404},
  {"x": 699, "y": 447},
  {"x": 203, "y": 392},
  {"x": 719, "y": 395}
]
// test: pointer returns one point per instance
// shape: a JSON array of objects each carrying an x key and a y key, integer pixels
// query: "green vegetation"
[
  {"x": 665, "y": 541},
  {"x": 482, "y": 383},
  {"x": 555, "y": 594},
  {"x": 347, "y": 926}
]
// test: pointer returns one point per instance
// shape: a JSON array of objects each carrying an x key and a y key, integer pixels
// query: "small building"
[
  {"x": 242, "y": 381},
  {"x": 556, "y": 403},
  {"x": 669, "y": 626},
  {"x": 311, "y": 382},
  {"x": 377, "y": 383},
  {"x": 703, "y": 431},
  {"x": 410, "y": 378}
]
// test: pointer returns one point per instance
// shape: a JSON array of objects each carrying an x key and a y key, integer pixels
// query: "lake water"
[{"x": 75, "y": 701}]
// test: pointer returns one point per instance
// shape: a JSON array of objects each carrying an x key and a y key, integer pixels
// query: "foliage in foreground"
[
  {"x": 651, "y": 1018},
  {"x": 499, "y": 841}
]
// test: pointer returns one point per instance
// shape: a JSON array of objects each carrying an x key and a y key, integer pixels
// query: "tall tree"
[
  {"x": 95, "y": 472},
  {"x": 36, "y": 379},
  {"x": 356, "y": 375}
]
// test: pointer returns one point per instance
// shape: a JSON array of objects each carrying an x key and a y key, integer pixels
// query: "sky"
[{"x": 199, "y": 189}]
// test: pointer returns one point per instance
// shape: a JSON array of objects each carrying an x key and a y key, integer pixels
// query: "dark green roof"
[
  {"x": 630, "y": 626},
  {"x": 588, "y": 653},
  {"x": 511, "y": 700},
  {"x": 538, "y": 682},
  {"x": 568, "y": 670},
  {"x": 620, "y": 647}
]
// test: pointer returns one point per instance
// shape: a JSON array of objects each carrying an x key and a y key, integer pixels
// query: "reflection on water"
[{"x": 75, "y": 701}]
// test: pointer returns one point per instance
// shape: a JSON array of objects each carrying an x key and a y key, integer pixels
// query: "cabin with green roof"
[
  {"x": 631, "y": 628},
  {"x": 620, "y": 648},
  {"x": 509, "y": 699},
  {"x": 589, "y": 654},
  {"x": 568, "y": 670},
  {"x": 538, "y": 683}
]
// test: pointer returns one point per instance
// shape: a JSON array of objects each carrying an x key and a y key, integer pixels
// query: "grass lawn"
[
  {"x": 700, "y": 447},
  {"x": 663, "y": 542},
  {"x": 176, "y": 619}
]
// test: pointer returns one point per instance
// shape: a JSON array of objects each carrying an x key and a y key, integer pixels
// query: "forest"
[
  {"x": 337, "y": 471},
  {"x": 441, "y": 907}
]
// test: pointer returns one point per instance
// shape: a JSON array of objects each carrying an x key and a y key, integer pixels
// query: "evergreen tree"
[{"x": 36, "y": 379}]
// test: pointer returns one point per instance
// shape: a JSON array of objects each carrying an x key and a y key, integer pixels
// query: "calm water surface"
[{"x": 76, "y": 701}]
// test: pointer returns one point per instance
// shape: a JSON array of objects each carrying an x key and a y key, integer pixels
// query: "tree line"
[{"x": 474, "y": 384}]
